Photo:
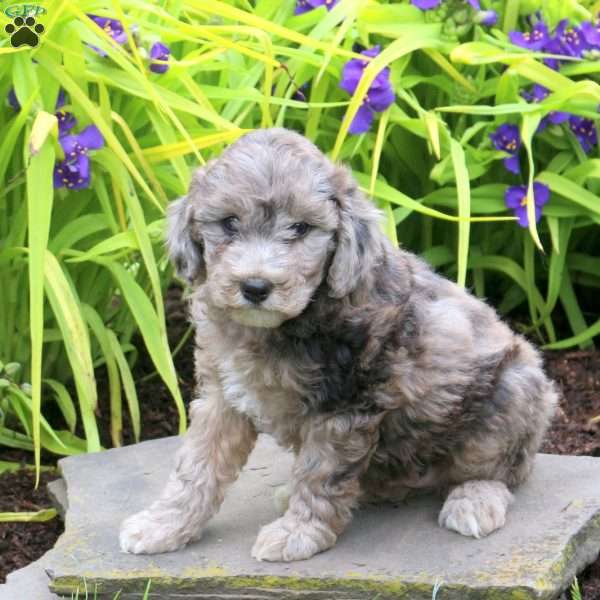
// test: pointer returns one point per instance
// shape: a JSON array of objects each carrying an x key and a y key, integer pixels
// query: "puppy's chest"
[{"x": 261, "y": 389}]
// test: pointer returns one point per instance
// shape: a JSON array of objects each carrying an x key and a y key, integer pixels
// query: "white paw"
[
  {"x": 147, "y": 533},
  {"x": 287, "y": 539},
  {"x": 476, "y": 508}
]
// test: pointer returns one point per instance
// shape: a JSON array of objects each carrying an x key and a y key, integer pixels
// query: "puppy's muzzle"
[{"x": 256, "y": 290}]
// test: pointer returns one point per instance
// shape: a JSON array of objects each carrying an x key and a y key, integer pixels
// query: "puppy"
[{"x": 379, "y": 375}]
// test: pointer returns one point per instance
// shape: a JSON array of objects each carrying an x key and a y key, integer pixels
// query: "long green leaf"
[
  {"x": 104, "y": 336},
  {"x": 40, "y": 195},
  {"x": 46, "y": 514},
  {"x": 67, "y": 310},
  {"x": 463, "y": 188}
]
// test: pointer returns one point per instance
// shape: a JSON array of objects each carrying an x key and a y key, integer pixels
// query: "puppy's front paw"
[
  {"x": 476, "y": 508},
  {"x": 287, "y": 539},
  {"x": 147, "y": 533}
]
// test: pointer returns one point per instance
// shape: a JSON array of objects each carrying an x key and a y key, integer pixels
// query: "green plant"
[
  {"x": 575, "y": 591},
  {"x": 83, "y": 270},
  {"x": 87, "y": 595}
]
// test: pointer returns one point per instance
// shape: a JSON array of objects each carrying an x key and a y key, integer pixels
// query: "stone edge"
[{"x": 581, "y": 550}]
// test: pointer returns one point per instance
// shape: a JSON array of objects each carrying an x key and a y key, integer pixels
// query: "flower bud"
[{"x": 488, "y": 18}]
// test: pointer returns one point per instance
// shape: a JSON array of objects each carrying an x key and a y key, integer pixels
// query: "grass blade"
[
  {"x": 67, "y": 310},
  {"x": 463, "y": 188},
  {"x": 40, "y": 516},
  {"x": 40, "y": 195}
]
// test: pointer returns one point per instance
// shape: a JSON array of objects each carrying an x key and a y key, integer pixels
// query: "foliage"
[
  {"x": 575, "y": 590},
  {"x": 93, "y": 595},
  {"x": 39, "y": 516},
  {"x": 160, "y": 87}
]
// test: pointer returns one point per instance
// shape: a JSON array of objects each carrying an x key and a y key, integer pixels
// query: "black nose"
[{"x": 256, "y": 290}]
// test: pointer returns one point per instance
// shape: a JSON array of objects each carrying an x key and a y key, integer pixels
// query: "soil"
[
  {"x": 22, "y": 543},
  {"x": 573, "y": 432}
]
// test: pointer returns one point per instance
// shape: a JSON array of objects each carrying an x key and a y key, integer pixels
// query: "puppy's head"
[{"x": 269, "y": 221}]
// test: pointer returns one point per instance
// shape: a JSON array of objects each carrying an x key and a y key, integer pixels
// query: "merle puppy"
[{"x": 379, "y": 375}]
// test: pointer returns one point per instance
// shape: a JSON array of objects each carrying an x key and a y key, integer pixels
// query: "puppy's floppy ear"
[
  {"x": 359, "y": 237},
  {"x": 185, "y": 253}
]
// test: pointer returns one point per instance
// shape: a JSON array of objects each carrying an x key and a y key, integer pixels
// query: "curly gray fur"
[{"x": 379, "y": 374}]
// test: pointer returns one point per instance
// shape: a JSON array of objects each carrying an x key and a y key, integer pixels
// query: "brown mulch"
[
  {"x": 22, "y": 543},
  {"x": 577, "y": 374}
]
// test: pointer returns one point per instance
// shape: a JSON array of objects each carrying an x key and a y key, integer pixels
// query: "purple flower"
[
  {"x": 13, "y": 101},
  {"x": 159, "y": 52},
  {"x": 534, "y": 40},
  {"x": 74, "y": 171},
  {"x": 591, "y": 33},
  {"x": 426, "y": 4},
  {"x": 488, "y": 18},
  {"x": 515, "y": 198},
  {"x": 354, "y": 68},
  {"x": 585, "y": 131},
  {"x": 113, "y": 27},
  {"x": 66, "y": 122},
  {"x": 61, "y": 99},
  {"x": 378, "y": 97},
  {"x": 301, "y": 93},
  {"x": 303, "y": 6},
  {"x": 553, "y": 47},
  {"x": 571, "y": 40},
  {"x": 537, "y": 94},
  {"x": 508, "y": 139}
]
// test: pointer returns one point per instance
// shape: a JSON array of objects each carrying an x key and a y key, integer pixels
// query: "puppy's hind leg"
[
  {"x": 214, "y": 449},
  {"x": 476, "y": 508}
]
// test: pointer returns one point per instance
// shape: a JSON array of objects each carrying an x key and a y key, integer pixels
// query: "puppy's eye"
[
  {"x": 231, "y": 225},
  {"x": 299, "y": 229}
]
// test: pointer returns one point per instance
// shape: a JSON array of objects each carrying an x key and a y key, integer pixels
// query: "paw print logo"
[{"x": 24, "y": 32}]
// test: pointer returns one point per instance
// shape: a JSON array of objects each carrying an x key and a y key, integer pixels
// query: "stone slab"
[
  {"x": 57, "y": 490},
  {"x": 28, "y": 583},
  {"x": 553, "y": 530}
]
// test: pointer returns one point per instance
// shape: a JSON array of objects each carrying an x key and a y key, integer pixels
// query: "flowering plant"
[{"x": 472, "y": 124}]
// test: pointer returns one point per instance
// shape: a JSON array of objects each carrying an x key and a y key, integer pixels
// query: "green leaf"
[
  {"x": 464, "y": 208},
  {"x": 528, "y": 129},
  {"x": 150, "y": 327},
  {"x": 40, "y": 195},
  {"x": 74, "y": 231},
  {"x": 128, "y": 384},
  {"x": 570, "y": 190},
  {"x": 14, "y": 439},
  {"x": 67, "y": 310},
  {"x": 40, "y": 516},
  {"x": 65, "y": 402},
  {"x": 395, "y": 50},
  {"x": 103, "y": 335}
]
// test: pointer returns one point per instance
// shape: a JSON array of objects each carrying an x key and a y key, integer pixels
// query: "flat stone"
[
  {"x": 28, "y": 583},
  {"x": 57, "y": 490},
  {"x": 552, "y": 531}
]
